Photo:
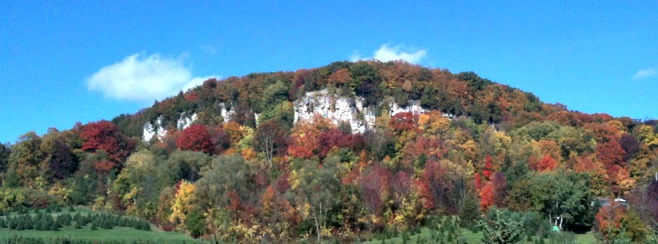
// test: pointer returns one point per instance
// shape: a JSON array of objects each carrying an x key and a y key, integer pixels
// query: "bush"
[
  {"x": 469, "y": 214},
  {"x": 563, "y": 237},
  {"x": 502, "y": 226},
  {"x": 535, "y": 224}
]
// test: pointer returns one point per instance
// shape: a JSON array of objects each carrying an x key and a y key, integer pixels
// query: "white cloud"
[
  {"x": 197, "y": 81},
  {"x": 356, "y": 56},
  {"x": 209, "y": 49},
  {"x": 387, "y": 53},
  {"x": 645, "y": 73},
  {"x": 140, "y": 78}
]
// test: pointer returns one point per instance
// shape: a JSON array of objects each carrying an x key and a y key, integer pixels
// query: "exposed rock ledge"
[{"x": 337, "y": 109}]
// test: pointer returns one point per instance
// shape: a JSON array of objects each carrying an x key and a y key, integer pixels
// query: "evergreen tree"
[
  {"x": 77, "y": 225},
  {"x": 502, "y": 226}
]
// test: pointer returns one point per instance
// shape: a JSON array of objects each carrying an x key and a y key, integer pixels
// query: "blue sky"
[{"x": 67, "y": 61}]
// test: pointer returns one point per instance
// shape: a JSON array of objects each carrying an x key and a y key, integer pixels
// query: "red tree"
[
  {"x": 487, "y": 196},
  {"x": 105, "y": 135},
  {"x": 499, "y": 182},
  {"x": 404, "y": 121},
  {"x": 610, "y": 153},
  {"x": 334, "y": 138},
  {"x": 374, "y": 188},
  {"x": 195, "y": 138},
  {"x": 546, "y": 163}
]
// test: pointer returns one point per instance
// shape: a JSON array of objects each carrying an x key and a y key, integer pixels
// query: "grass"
[
  {"x": 115, "y": 234},
  {"x": 471, "y": 237},
  {"x": 86, "y": 234},
  {"x": 587, "y": 238}
]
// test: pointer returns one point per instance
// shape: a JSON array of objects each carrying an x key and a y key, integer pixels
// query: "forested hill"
[
  {"x": 345, "y": 151},
  {"x": 376, "y": 82}
]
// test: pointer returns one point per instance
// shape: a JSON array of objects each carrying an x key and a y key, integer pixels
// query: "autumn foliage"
[
  {"x": 195, "y": 138},
  {"x": 250, "y": 170},
  {"x": 105, "y": 135}
]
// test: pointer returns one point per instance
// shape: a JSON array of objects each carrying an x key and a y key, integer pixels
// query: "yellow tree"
[{"x": 182, "y": 202}]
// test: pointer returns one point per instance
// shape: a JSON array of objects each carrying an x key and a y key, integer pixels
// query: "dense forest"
[{"x": 483, "y": 148}]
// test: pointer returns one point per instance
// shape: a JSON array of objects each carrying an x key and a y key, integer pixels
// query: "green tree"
[
  {"x": 270, "y": 139},
  {"x": 25, "y": 158},
  {"x": 502, "y": 226},
  {"x": 195, "y": 223},
  {"x": 5, "y": 151},
  {"x": 138, "y": 184},
  {"x": 317, "y": 185},
  {"x": 59, "y": 161},
  {"x": 223, "y": 175},
  {"x": 563, "y": 197},
  {"x": 182, "y": 165}
]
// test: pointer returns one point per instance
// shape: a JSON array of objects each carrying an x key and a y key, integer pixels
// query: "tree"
[
  {"x": 610, "y": 153},
  {"x": 374, "y": 188},
  {"x": 334, "y": 138},
  {"x": 546, "y": 163},
  {"x": 614, "y": 222},
  {"x": 195, "y": 138},
  {"x": 339, "y": 77},
  {"x": 223, "y": 175},
  {"x": 182, "y": 165},
  {"x": 270, "y": 138},
  {"x": 630, "y": 146},
  {"x": 5, "y": 151},
  {"x": 183, "y": 202},
  {"x": 316, "y": 185},
  {"x": 502, "y": 226},
  {"x": 404, "y": 121},
  {"x": 563, "y": 197},
  {"x": 25, "y": 158},
  {"x": 138, "y": 184},
  {"x": 59, "y": 162},
  {"x": 104, "y": 135},
  {"x": 195, "y": 223},
  {"x": 305, "y": 137}
]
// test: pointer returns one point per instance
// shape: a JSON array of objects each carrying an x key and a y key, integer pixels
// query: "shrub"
[
  {"x": 502, "y": 226},
  {"x": 535, "y": 224},
  {"x": 563, "y": 237}
]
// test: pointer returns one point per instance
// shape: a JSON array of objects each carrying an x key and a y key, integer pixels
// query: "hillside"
[{"x": 343, "y": 152}]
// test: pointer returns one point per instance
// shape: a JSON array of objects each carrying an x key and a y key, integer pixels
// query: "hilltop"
[{"x": 346, "y": 151}]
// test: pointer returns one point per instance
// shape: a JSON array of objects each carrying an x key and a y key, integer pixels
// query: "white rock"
[
  {"x": 185, "y": 121},
  {"x": 157, "y": 128},
  {"x": 331, "y": 106},
  {"x": 227, "y": 115},
  {"x": 344, "y": 109}
]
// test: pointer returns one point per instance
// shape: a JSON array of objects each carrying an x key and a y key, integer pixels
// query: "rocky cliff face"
[
  {"x": 345, "y": 109},
  {"x": 158, "y": 129},
  {"x": 336, "y": 108}
]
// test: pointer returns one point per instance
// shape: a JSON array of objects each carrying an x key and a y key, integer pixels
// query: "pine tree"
[{"x": 147, "y": 226}]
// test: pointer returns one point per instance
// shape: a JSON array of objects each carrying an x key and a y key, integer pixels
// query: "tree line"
[{"x": 268, "y": 179}]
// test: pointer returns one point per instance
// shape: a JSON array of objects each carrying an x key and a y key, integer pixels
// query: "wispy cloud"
[
  {"x": 645, "y": 73},
  {"x": 387, "y": 53},
  {"x": 141, "y": 78},
  {"x": 210, "y": 49}
]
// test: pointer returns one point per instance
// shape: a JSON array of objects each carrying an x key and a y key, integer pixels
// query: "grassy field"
[
  {"x": 471, "y": 237},
  {"x": 115, "y": 234},
  {"x": 86, "y": 234}
]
